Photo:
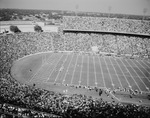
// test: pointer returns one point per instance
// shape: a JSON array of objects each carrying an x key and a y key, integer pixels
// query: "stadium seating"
[
  {"x": 106, "y": 24},
  {"x": 19, "y": 45}
]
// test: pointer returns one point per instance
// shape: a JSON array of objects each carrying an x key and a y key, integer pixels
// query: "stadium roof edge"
[{"x": 105, "y": 32}]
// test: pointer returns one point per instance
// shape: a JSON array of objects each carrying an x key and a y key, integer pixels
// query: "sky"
[{"x": 104, "y": 6}]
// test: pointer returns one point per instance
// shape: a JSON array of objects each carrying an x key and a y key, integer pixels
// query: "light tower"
[
  {"x": 109, "y": 10},
  {"x": 144, "y": 12}
]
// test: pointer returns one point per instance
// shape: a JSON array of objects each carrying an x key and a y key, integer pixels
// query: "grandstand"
[{"x": 93, "y": 67}]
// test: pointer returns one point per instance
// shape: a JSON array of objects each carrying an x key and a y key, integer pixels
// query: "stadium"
[{"x": 93, "y": 67}]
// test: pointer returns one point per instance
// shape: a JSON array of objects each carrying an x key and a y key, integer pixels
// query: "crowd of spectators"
[
  {"x": 13, "y": 47},
  {"x": 108, "y": 43},
  {"x": 106, "y": 24},
  {"x": 11, "y": 111}
]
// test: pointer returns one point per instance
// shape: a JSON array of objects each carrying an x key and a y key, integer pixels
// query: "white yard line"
[
  {"x": 102, "y": 72},
  {"x": 131, "y": 75},
  {"x": 54, "y": 68},
  {"x": 146, "y": 64},
  {"x": 143, "y": 67},
  {"x": 115, "y": 72},
  {"x": 124, "y": 75},
  {"x": 142, "y": 73},
  {"x": 44, "y": 59},
  {"x": 114, "y": 96},
  {"x": 38, "y": 70},
  {"x": 61, "y": 66},
  {"x": 67, "y": 69},
  {"x": 95, "y": 72},
  {"x": 74, "y": 70},
  {"x": 109, "y": 74},
  {"x": 137, "y": 75},
  {"x": 81, "y": 71}
]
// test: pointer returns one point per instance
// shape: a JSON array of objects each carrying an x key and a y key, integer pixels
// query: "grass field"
[{"x": 85, "y": 70}]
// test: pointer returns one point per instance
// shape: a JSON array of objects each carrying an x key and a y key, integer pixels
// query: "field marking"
[
  {"x": 54, "y": 68},
  {"x": 61, "y": 66},
  {"x": 138, "y": 75},
  {"x": 141, "y": 71},
  {"x": 67, "y": 68},
  {"x": 43, "y": 59},
  {"x": 109, "y": 74},
  {"x": 115, "y": 72},
  {"x": 101, "y": 71},
  {"x": 48, "y": 68},
  {"x": 39, "y": 70},
  {"x": 146, "y": 64},
  {"x": 114, "y": 96},
  {"x": 95, "y": 71},
  {"x": 144, "y": 73},
  {"x": 81, "y": 71},
  {"x": 123, "y": 75},
  {"x": 143, "y": 67},
  {"x": 130, "y": 75},
  {"x": 74, "y": 69}
]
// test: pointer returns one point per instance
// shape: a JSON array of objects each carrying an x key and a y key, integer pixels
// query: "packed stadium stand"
[{"x": 128, "y": 38}]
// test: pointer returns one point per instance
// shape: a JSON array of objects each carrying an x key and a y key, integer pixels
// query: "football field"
[{"x": 83, "y": 70}]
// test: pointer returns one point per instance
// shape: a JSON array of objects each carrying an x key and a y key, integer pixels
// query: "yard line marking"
[
  {"x": 44, "y": 60},
  {"x": 141, "y": 71},
  {"x": 38, "y": 70},
  {"x": 145, "y": 70},
  {"x": 109, "y": 74},
  {"x": 101, "y": 71},
  {"x": 123, "y": 74},
  {"x": 88, "y": 71},
  {"x": 131, "y": 75},
  {"x": 95, "y": 71},
  {"x": 115, "y": 72},
  {"x": 74, "y": 70},
  {"x": 81, "y": 71},
  {"x": 114, "y": 96},
  {"x": 61, "y": 66},
  {"x": 67, "y": 69},
  {"x": 145, "y": 64},
  {"x": 48, "y": 61},
  {"x": 138, "y": 75},
  {"x": 54, "y": 68},
  {"x": 143, "y": 67}
]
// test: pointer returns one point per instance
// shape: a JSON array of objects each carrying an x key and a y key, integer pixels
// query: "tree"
[
  {"x": 14, "y": 29},
  {"x": 38, "y": 28}
]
